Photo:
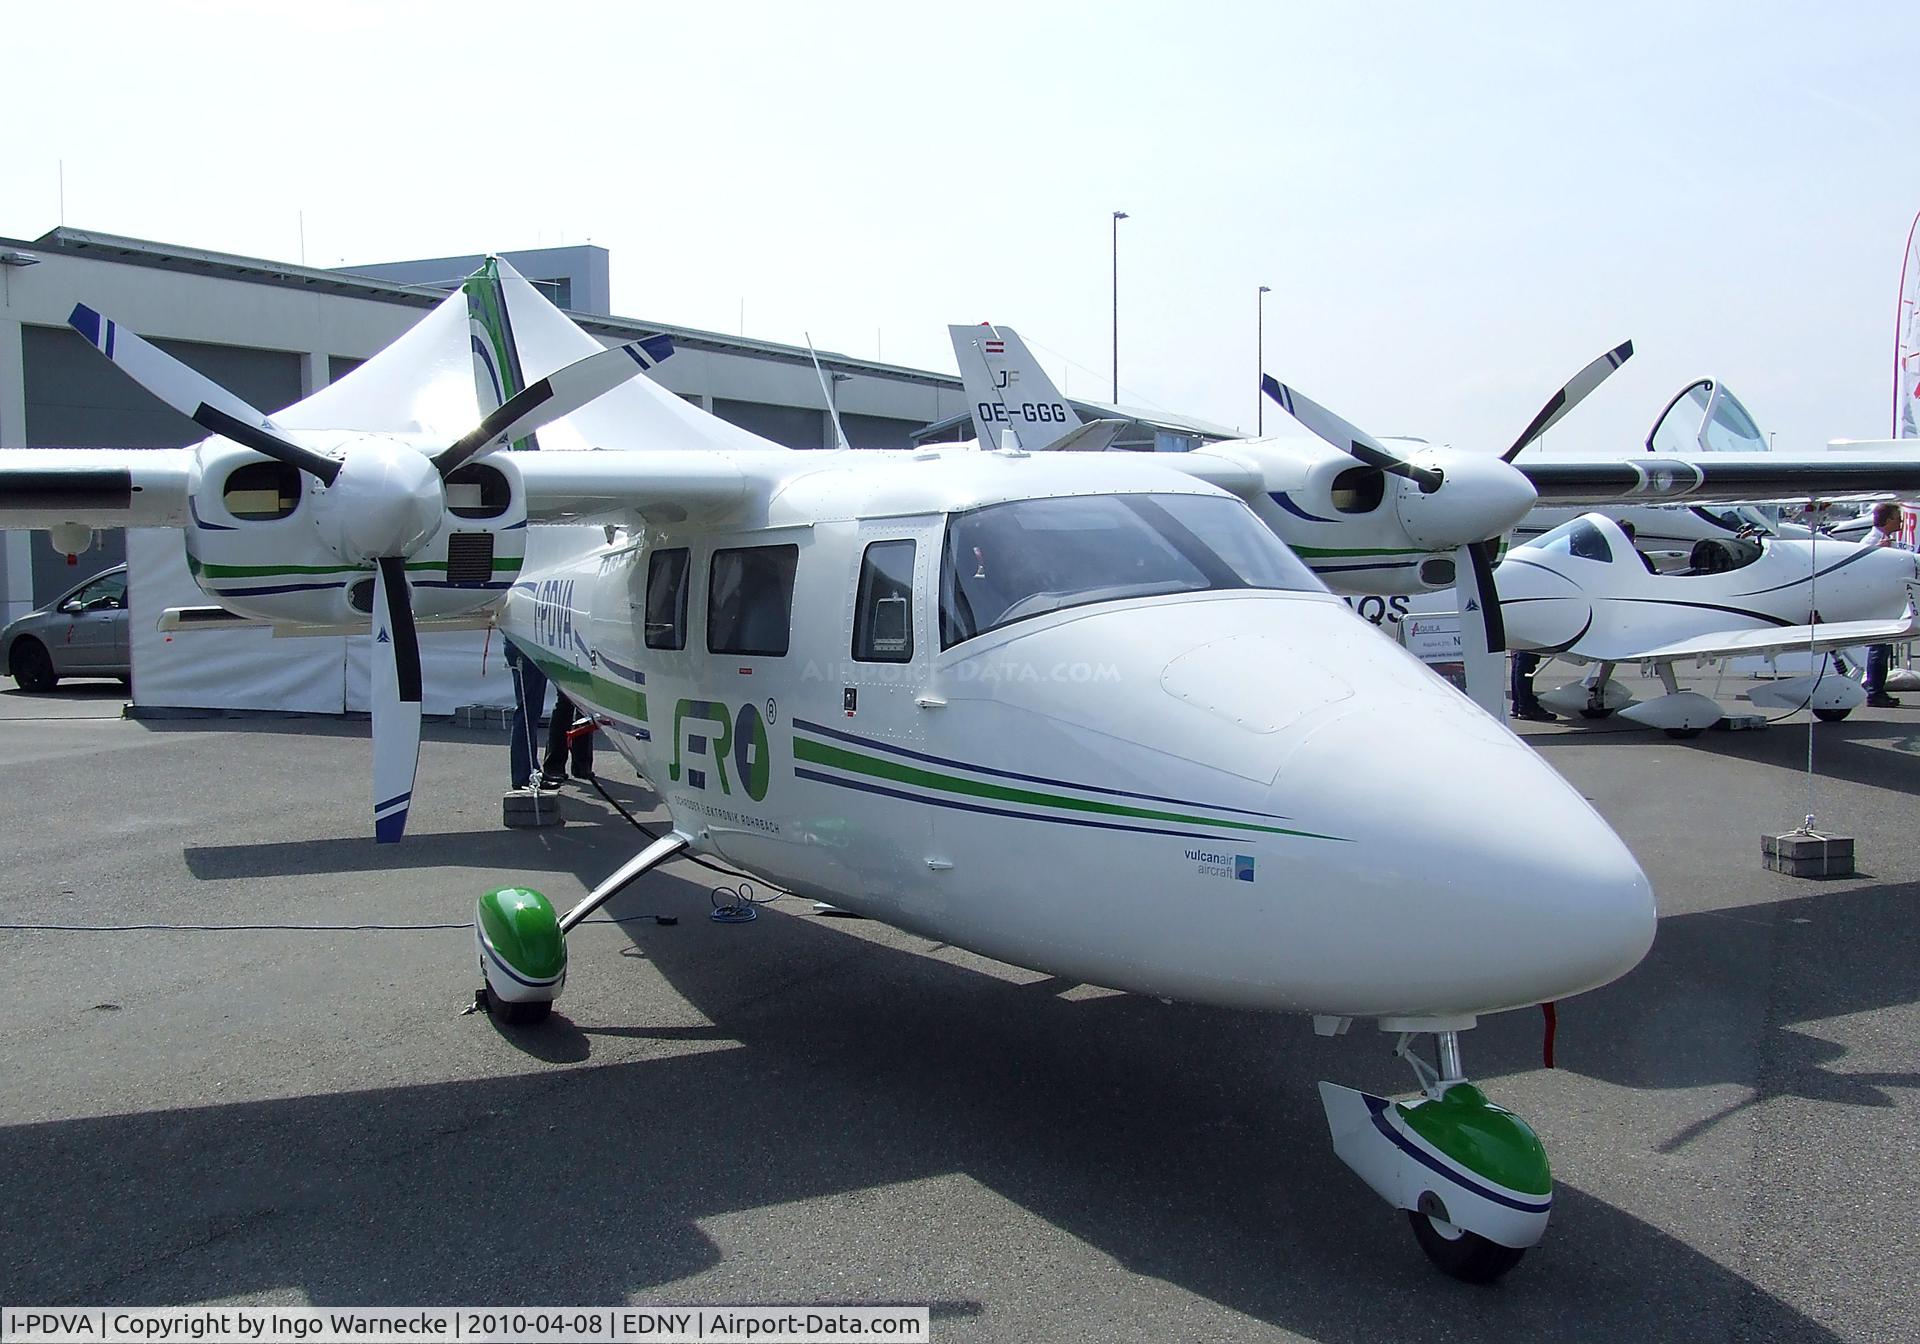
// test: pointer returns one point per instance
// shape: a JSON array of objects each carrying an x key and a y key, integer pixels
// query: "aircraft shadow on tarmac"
[
  {"x": 1186, "y": 1143},
  {"x": 1861, "y": 752},
  {"x": 1690, "y": 1016}
]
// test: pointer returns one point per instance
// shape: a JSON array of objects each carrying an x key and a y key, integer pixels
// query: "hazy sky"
[{"x": 1455, "y": 205}]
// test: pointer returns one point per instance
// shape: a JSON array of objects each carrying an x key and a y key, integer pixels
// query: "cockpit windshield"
[
  {"x": 1579, "y": 538},
  {"x": 1007, "y": 562},
  {"x": 1706, "y": 417}
]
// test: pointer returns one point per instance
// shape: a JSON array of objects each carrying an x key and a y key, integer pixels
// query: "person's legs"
[
  {"x": 1875, "y": 681},
  {"x": 553, "y": 765},
  {"x": 529, "y": 690}
]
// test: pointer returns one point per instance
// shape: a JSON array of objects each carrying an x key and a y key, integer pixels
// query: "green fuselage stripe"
[
  {"x": 821, "y": 753},
  {"x": 614, "y": 696}
]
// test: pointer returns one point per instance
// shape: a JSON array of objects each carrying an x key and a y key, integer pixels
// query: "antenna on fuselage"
[{"x": 833, "y": 411}]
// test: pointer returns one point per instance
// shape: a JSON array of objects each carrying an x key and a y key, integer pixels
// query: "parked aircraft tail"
[{"x": 1008, "y": 389}]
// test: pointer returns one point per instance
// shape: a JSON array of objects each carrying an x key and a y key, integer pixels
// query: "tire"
[
  {"x": 31, "y": 665},
  {"x": 1831, "y": 715},
  {"x": 1683, "y": 734},
  {"x": 1591, "y": 713},
  {"x": 1462, "y": 1254},
  {"x": 517, "y": 1014}
]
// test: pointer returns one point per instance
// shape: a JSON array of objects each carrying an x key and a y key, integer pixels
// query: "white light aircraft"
[
  {"x": 1079, "y": 712},
  {"x": 1582, "y": 592}
]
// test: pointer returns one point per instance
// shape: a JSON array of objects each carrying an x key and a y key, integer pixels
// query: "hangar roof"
[{"x": 169, "y": 256}]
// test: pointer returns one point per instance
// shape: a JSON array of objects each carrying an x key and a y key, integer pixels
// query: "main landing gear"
[
  {"x": 523, "y": 944},
  {"x": 1471, "y": 1176}
]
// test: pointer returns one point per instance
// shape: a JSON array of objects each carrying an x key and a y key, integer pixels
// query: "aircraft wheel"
[
  {"x": 1831, "y": 715},
  {"x": 31, "y": 666},
  {"x": 1682, "y": 734},
  {"x": 1591, "y": 713},
  {"x": 517, "y": 1014},
  {"x": 1462, "y": 1254}
]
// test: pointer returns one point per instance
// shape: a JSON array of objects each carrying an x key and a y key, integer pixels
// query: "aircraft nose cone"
[
  {"x": 1490, "y": 881},
  {"x": 1480, "y": 497}
]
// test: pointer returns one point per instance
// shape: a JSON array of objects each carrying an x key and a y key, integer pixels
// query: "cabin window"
[
  {"x": 750, "y": 600},
  {"x": 883, "y": 604},
  {"x": 667, "y": 599}
]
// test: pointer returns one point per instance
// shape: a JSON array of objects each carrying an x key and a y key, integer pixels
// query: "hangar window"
[
  {"x": 260, "y": 492},
  {"x": 1579, "y": 538},
  {"x": 883, "y": 605},
  {"x": 750, "y": 600},
  {"x": 667, "y": 599}
]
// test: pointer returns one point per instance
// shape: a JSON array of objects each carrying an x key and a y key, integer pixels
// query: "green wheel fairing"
[
  {"x": 1486, "y": 1139},
  {"x": 523, "y": 931}
]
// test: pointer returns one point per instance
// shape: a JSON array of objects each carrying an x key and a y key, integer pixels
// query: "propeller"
[
  {"x": 1571, "y": 395},
  {"x": 385, "y": 501},
  {"x": 1481, "y": 492},
  {"x": 1356, "y": 442}
]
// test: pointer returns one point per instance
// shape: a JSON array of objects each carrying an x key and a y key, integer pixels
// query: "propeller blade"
[
  {"x": 216, "y": 421},
  {"x": 560, "y": 393},
  {"x": 1570, "y": 396},
  {"x": 396, "y": 699},
  {"x": 160, "y": 373},
  {"x": 1480, "y": 557},
  {"x": 1482, "y": 631},
  {"x": 1348, "y": 438}
]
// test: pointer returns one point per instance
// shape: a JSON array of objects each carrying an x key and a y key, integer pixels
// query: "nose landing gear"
[{"x": 1471, "y": 1176}]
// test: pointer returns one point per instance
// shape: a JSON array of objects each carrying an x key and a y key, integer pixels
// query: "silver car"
[{"x": 81, "y": 633}]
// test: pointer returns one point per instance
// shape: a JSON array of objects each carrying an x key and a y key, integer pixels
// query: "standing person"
[
  {"x": 529, "y": 692},
  {"x": 1525, "y": 704},
  {"x": 564, "y": 746},
  {"x": 1886, "y": 532}
]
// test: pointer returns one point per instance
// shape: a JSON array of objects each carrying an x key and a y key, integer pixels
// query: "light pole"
[
  {"x": 1260, "y": 360},
  {"x": 1118, "y": 215}
]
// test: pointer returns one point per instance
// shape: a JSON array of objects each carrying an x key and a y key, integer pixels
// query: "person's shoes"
[
  {"x": 1881, "y": 700},
  {"x": 1536, "y": 714},
  {"x": 552, "y": 781}
]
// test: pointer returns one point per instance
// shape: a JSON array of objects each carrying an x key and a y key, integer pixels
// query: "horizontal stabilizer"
[{"x": 1096, "y": 436}]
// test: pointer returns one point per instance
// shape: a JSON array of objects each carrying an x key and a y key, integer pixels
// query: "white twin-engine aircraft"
[
  {"x": 1418, "y": 517},
  {"x": 1081, "y": 712}
]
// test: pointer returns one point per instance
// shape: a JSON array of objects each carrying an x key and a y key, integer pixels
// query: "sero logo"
[{"x": 707, "y": 735}]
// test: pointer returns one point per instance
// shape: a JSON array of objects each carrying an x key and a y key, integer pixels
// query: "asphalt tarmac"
[{"x": 812, "y": 1109}]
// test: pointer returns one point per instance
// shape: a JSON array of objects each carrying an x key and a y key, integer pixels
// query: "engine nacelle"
[{"x": 260, "y": 542}]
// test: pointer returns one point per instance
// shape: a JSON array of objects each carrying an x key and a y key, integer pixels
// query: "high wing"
[
  {"x": 1821, "y": 638},
  {"x": 98, "y": 487},
  {"x": 1879, "y": 468},
  {"x": 661, "y": 485}
]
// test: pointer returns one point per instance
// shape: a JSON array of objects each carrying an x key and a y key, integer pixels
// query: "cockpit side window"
[
  {"x": 1579, "y": 538},
  {"x": 883, "y": 604}
]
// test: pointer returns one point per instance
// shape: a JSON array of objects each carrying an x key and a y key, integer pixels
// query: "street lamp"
[
  {"x": 1260, "y": 359},
  {"x": 1118, "y": 215}
]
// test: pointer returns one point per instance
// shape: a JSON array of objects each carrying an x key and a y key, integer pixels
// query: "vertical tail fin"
[
  {"x": 496, "y": 359},
  {"x": 1008, "y": 389}
]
